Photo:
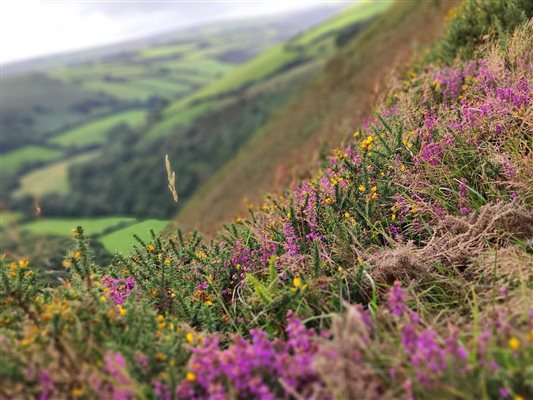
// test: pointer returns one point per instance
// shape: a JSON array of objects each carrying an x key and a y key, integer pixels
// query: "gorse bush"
[
  {"x": 477, "y": 22},
  {"x": 402, "y": 269}
]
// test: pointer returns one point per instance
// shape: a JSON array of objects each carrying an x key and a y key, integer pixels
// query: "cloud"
[{"x": 30, "y": 28}]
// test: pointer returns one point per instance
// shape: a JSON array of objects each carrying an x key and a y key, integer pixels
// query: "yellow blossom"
[
  {"x": 23, "y": 263},
  {"x": 514, "y": 343},
  {"x": 77, "y": 254},
  {"x": 298, "y": 284},
  {"x": 77, "y": 391},
  {"x": 328, "y": 200},
  {"x": 356, "y": 134},
  {"x": 518, "y": 397},
  {"x": 189, "y": 337},
  {"x": 208, "y": 303},
  {"x": 103, "y": 298},
  {"x": 167, "y": 261},
  {"x": 150, "y": 247},
  {"x": 160, "y": 356},
  {"x": 360, "y": 260},
  {"x": 191, "y": 376},
  {"x": 361, "y": 188},
  {"x": 346, "y": 215},
  {"x": 340, "y": 269},
  {"x": 122, "y": 311}
]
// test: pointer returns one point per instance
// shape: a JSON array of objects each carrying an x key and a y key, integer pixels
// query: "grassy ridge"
[{"x": 274, "y": 59}]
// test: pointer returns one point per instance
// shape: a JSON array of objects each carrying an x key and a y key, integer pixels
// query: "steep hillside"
[
  {"x": 402, "y": 268},
  {"x": 325, "y": 111}
]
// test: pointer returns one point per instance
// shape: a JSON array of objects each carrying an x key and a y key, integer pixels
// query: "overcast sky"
[{"x": 30, "y": 28}]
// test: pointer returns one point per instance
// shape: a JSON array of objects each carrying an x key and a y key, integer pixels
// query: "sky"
[{"x": 32, "y": 28}]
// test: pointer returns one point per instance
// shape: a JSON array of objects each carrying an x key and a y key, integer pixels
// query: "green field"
[
  {"x": 181, "y": 116},
  {"x": 166, "y": 50},
  {"x": 363, "y": 10},
  {"x": 121, "y": 90},
  {"x": 8, "y": 218},
  {"x": 122, "y": 240},
  {"x": 64, "y": 226},
  {"x": 14, "y": 160},
  {"x": 96, "y": 132},
  {"x": 50, "y": 179}
]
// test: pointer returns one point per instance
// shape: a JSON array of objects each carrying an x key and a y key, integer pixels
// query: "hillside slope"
[
  {"x": 401, "y": 269},
  {"x": 325, "y": 111}
]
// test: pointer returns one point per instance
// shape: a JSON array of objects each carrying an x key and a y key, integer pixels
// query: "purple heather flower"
[
  {"x": 396, "y": 299},
  {"x": 119, "y": 289}
]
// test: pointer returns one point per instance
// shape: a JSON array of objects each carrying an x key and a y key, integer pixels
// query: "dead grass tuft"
[
  {"x": 457, "y": 239},
  {"x": 460, "y": 242}
]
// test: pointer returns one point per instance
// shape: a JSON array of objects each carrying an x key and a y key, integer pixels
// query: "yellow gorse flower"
[
  {"x": 122, "y": 311},
  {"x": 298, "y": 284},
  {"x": 366, "y": 144},
  {"x": 514, "y": 343}
]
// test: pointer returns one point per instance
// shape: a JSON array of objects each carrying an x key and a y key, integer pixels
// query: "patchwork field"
[
  {"x": 96, "y": 132},
  {"x": 50, "y": 179},
  {"x": 13, "y": 161},
  {"x": 64, "y": 226},
  {"x": 122, "y": 240}
]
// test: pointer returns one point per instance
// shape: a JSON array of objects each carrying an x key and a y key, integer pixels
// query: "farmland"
[
  {"x": 96, "y": 132},
  {"x": 122, "y": 240}
]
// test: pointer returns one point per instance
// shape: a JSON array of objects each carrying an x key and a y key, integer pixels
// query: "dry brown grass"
[{"x": 468, "y": 244}]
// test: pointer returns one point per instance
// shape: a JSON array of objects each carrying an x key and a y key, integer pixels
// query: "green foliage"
[
  {"x": 22, "y": 158},
  {"x": 478, "y": 22}
]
